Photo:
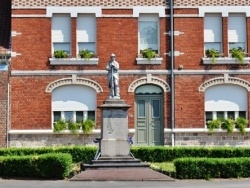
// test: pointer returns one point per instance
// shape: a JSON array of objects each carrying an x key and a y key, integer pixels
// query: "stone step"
[{"x": 113, "y": 165}]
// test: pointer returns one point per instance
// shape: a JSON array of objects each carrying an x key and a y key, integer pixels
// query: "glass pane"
[
  {"x": 209, "y": 116},
  {"x": 148, "y": 34},
  {"x": 220, "y": 115},
  {"x": 237, "y": 45},
  {"x": 231, "y": 115},
  {"x": 141, "y": 108},
  {"x": 214, "y": 45},
  {"x": 57, "y": 115},
  {"x": 62, "y": 46},
  {"x": 242, "y": 114},
  {"x": 69, "y": 115},
  {"x": 79, "y": 116},
  {"x": 87, "y": 46},
  {"x": 156, "y": 108},
  {"x": 91, "y": 115}
]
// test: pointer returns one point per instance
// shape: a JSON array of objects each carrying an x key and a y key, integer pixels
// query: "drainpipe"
[
  {"x": 8, "y": 116},
  {"x": 172, "y": 71}
]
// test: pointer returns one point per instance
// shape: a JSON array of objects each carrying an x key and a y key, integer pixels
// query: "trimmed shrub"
[
  {"x": 206, "y": 168},
  {"x": 46, "y": 166}
]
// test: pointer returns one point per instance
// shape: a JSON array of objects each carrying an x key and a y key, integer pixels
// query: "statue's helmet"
[{"x": 112, "y": 55}]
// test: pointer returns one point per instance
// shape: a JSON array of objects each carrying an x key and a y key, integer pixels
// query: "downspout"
[
  {"x": 8, "y": 116},
  {"x": 172, "y": 71}
]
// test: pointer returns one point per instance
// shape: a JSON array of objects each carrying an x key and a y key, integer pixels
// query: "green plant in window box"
[
  {"x": 60, "y": 125},
  {"x": 241, "y": 124},
  {"x": 74, "y": 127},
  {"x": 86, "y": 54},
  {"x": 87, "y": 126},
  {"x": 212, "y": 53},
  {"x": 238, "y": 53},
  {"x": 214, "y": 124},
  {"x": 228, "y": 124},
  {"x": 60, "y": 54},
  {"x": 149, "y": 53}
]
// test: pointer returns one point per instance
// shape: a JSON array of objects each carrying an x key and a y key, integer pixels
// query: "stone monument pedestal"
[{"x": 114, "y": 134}]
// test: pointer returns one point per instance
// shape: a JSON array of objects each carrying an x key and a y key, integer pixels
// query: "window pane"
[
  {"x": 209, "y": 116},
  {"x": 69, "y": 115},
  {"x": 79, "y": 116},
  {"x": 220, "y": 115},
  {"x": 156, "y": 108},
  {"x": 231, "y": 115},
  {"x": 86, "y": 45},
  {"x": 91, "y": 115},
  {"x": 57, "y": 115},
  {"x": 148, "y": 34},
  {"x": 62, "y": 46},
  {"x": 242, "y": 114},
  {"x": 141, "y": 108}
]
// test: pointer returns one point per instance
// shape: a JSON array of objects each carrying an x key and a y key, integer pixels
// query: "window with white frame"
[
  {"x": 225, "y": 101},
  {"x": 86, "y": 32},
  {"x": 148, "y": 32},
  {"x": 61, "y": 32},
  {"x": 237, "y": 31},
  {"x": 74, "y": 103},
  {"x": 213, "y": 31}
]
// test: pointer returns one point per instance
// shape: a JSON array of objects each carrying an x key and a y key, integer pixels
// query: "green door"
[{"x": 149, "y": 120}]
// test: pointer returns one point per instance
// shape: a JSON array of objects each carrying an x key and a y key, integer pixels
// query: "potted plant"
[
  {"x": 241, "y": 124},
  {"x": 212, "y": 53},
  {"x": 60, "y": 126},
  {"x": 213, "y": 124},
  {"x": 60, "y": 54},
  {"x": 238, "y": 53},
  {"x": 86, "y": 54},
  {"x": 149, "y": 53},
  {"x": 73, "y": 127},
  {"x": 228, "y": 124},
  {"x": 87, "y": 126}
]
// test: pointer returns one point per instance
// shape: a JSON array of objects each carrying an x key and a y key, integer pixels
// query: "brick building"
[{"x": 171, "y": 96}]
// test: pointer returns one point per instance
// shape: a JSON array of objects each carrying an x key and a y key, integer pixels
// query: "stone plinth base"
[{"x": 114, "y": 128}]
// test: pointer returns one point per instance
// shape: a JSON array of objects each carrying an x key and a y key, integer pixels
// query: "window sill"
[
  {"x": 225, "y": 60},
  {"x": 153, "y": 61},
  {"x": 73, "y": 61}
]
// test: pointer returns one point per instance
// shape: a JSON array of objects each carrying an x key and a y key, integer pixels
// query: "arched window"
[
  {"x": 225, "y": 101},
  {"x": 73, "y": 103}
]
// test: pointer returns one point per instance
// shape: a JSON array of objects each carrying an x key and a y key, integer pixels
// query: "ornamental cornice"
[
  {"x": 76, "y": 81},
  {"x": 224, "y": 80},
  {"x": 149, "y": 80}
]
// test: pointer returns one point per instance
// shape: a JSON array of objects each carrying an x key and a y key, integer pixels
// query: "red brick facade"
[{"x": 117, "y": 32}]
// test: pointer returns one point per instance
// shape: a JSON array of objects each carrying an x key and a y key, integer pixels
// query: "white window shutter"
[
  {"x": 226, "y": 98},
  {"x": 237, "y": 28},
  {"x": 73, "y": 98},
  {"x": 86, "y": 28},
  {"x": 61, "y": 28},
  {"x": 212, "y": 28}
]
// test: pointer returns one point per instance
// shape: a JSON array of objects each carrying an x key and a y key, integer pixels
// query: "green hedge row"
[
  {"x": 151, "y": 154},
  {"x": 46, "y": 166},
  {"x": 161, "y": 153},
  {"x": 78, "y": 153},
  {"x": 206, "y": 168}
]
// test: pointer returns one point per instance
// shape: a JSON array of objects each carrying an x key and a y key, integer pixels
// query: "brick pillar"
[
  {"x": 225, "y": 36},
  {"x": 3, "y": 107},
  {"x": 73, "y": 37}
]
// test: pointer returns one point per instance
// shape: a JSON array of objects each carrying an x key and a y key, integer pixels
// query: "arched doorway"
[{"x": 149, "y": 115}]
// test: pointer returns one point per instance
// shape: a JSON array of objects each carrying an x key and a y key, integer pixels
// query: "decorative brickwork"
[
  {"x": 115, "y": 3},
  {"x": 127, "y": 3}
]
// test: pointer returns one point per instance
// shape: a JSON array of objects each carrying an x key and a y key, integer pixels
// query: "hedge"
[
  {"x": 206, "y": 168},
  {"x": 161, "y": 153},
  {"x": 46, "y": 166},
  {"x": 79, "y": 153}
]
